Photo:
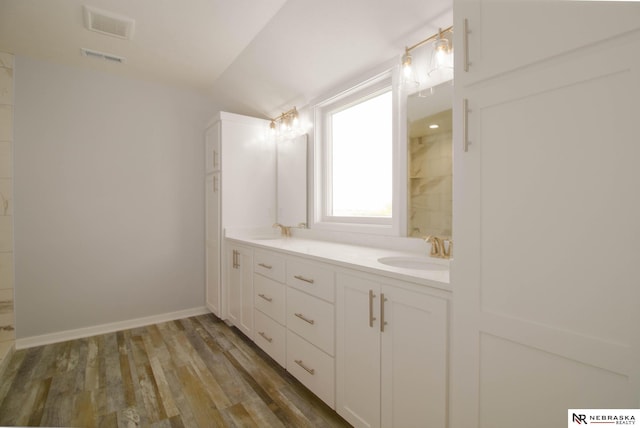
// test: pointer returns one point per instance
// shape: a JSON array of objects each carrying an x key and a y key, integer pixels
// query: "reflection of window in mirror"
[{"x": 430, "y": 167}]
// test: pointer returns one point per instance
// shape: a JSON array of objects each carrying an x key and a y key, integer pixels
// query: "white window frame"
[{"x": 342, "y": 100}]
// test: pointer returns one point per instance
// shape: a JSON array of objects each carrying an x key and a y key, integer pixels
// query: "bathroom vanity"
[{"x": 368, "y": 338}]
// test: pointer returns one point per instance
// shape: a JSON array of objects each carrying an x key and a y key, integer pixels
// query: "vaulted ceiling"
[{"x": 251, "y": 56}]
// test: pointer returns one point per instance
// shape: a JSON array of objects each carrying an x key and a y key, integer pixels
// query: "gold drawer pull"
[
  {"x": 303, "y": 318},
  {"x": 371, "y": 317},
  {"x": 267, "y": 338},
  {"x": 268, "y": 299},
  {"x": 265, "y": 266},
  {"x": 301, "y": 364},
  {"x": 302, "y": 278}
]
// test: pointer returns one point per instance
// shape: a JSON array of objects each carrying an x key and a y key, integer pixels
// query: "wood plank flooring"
[{"x": 194, "y": 372}]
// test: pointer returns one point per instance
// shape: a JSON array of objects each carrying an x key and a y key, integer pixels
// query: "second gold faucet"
[
  {"x": 284, "y": 230},
  {"x": 440, "y": 247}
]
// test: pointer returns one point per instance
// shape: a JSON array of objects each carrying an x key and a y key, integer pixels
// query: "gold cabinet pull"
[
  {"x": 235, "y": 259},
  {"x": 371, "y": 317},
  {"x": 465, "y": 43},
  {"x": 267, "y": 338},
  {"x": 305, "y": 319},
  {"x": 301, "y": 364},
  {"x": 265, "y": 266},
  {"x": 382, "y": 321},
  {"x": 268, "y": 299},
  {"x": 215, "y": 159},
  {"x": 302, "y": 278},
  {"x": 465, "y": 125}
]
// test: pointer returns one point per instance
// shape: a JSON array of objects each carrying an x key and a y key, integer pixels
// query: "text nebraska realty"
[{"x": 606, "y": 419}]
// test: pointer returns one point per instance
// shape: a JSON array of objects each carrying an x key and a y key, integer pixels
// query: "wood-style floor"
[{"x": 194, "y": 372}]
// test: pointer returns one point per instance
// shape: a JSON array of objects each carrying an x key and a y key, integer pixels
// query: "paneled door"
[
  {"x": 546, "y": 211},
  {"x": 212, "y": 253}
]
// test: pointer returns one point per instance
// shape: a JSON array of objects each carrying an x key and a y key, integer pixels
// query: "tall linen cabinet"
[
  {"x": 240, "y": 192},
  {"x": 546, "y": 208}
]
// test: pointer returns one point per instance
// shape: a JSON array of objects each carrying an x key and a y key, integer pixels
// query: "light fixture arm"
[{"x": 438, "y": 35}]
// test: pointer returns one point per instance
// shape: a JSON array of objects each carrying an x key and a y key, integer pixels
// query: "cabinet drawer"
[
  {"x": 270, "y": 336},
  {"x": 268, "y": 264},
  {"x": 312, "y": 319},
  {"x": 312, "y": 367},
  {"x": 311, "y": 278},
  {"x": 269, "y": 297}
]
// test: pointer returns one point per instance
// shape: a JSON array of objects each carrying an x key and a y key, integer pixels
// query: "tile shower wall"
[
  {"x": 7, "y": 319},
  {"x": 430, "y": 176}
]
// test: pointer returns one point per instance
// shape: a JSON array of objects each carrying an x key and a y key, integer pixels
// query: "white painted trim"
[{"x": 62, "y": 336}]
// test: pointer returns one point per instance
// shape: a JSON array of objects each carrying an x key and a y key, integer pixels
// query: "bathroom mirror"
[
  {"x": 430, "y": 166},
  {"x": 291, "y": 180}
]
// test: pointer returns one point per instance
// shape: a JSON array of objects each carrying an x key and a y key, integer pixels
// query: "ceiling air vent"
[
  {"x": 101, "y": 55},
  {"x": 108, "y": 23}
]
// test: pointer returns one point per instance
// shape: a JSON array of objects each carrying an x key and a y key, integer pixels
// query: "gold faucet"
[
  {"x": 284, "y": 230},
  {"x": 440, "y": 247}
]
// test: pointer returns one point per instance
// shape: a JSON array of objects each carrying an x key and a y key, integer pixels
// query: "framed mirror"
[
  {"x": 430, "y": 162},
  {"x": 291, "y": 181}
]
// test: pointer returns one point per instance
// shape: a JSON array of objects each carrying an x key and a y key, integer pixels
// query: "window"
[{"x": 356, "y": 145}]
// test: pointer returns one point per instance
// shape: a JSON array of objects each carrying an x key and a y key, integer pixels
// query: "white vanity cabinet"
[
  {"x": 269, "y": 298},
  {"x": 311, "y": 326},
  {"x": 391, "y": 354},
  {"x": 240, "y": 287}
]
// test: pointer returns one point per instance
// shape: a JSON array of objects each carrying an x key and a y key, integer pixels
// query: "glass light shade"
[
  {"x": 409, "y": 78},
  {"x": 441, "y": 56}
]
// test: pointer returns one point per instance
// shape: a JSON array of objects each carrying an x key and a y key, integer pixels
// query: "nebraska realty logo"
[{"x": 579, "y": 417}]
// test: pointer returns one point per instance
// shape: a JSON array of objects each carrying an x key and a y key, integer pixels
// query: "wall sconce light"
[
  {"x": 440, "y": 64},
  {"x": 287, "y": 124}
]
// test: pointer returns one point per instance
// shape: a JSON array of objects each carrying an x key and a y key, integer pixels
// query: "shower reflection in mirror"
[{"x": 430, "y": 164}]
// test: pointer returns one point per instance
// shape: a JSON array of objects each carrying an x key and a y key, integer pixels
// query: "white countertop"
[{"x": 354, "y": 257}]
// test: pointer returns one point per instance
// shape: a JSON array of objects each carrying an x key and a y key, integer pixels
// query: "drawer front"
[
  {"x": 311, "y": 278},
  {"x": 311, "y": 318},
  {"x": 270, "y": 336},
  {"x": 269, "y": 264},
  {"x": 269, "y": 297},
  {"x": 312, "y": 367}
]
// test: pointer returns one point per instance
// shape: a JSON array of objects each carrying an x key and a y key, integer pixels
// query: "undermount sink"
[{"x": 412, "y": 263}]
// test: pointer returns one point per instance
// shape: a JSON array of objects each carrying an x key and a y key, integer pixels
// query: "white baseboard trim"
[{"x": 63, "y": 336}]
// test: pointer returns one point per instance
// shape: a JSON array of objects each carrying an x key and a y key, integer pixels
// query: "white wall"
[{"x": 109, "y": 198}]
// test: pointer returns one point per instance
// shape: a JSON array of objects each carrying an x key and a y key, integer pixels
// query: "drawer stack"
[
  {"x": 310, "y": 320},
  {"x": 269, "y": 304}
]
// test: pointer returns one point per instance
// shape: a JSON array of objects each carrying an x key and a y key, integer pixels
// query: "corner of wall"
[{"x": 7, "y": 316}]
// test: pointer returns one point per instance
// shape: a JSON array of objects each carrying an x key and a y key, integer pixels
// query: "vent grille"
[
  {"x": 108, "y": 23},
  {"x": 101, "y": 55}
]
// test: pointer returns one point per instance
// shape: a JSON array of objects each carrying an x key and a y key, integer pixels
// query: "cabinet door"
[
  {"x": 234, "y": 286},
  {"x": 240, "y": 288},
  {"x": 504, "y": 36},
  {"x": 413, "y": 359},
  {"x": 546, "y": 214},
  {"x": 249, "y": 174},
  {"x": 212, "y": 226},
  {"x": 212, "y": 148},
  {"x": 358, "y": 351}
]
